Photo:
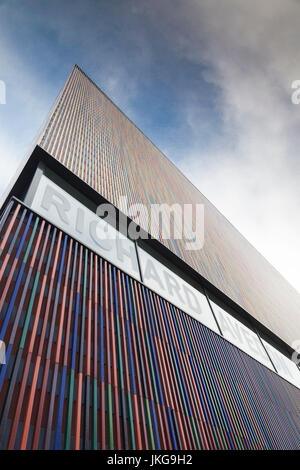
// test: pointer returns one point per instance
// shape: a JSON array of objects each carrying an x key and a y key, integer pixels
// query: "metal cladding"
[
  {"x": 88, "y": 134},
  {"x": 95, "y": 360}
]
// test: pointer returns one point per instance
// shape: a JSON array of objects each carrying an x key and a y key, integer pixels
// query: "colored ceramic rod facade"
[
  {"x": 88, "y": 134},
  {"x": 95, "y": 360}
]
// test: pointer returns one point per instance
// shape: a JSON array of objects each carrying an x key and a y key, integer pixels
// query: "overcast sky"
[{"x": 208, "y": 81}]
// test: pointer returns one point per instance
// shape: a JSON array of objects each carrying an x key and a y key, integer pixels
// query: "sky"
[{"x": 208, "y": 81}]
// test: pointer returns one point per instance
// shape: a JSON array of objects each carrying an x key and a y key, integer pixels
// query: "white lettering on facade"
[
  {"x": 173, "y": 288},
  {"x": 241, "y": 335},
  {"x": 63, "y": 210}
]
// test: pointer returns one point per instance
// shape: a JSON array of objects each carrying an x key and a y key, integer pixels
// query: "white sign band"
[{"x": 67, "y": 213}]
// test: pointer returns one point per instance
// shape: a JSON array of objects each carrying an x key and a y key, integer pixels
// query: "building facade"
[{"x": 118, "y": 343}]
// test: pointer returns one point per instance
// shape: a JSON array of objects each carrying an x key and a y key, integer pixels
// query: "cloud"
[
  {"x": 28, "y": 100},
  {"x": 230, "y": 66},
  {"x": 36, "y": 56},
  {"x": 251, "y": 172}
]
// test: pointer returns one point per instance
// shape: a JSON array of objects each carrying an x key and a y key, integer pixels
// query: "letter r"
[{"x": 55, "y": 198}]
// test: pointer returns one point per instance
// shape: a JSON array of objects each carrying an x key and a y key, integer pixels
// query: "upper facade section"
[{"x": 88, "y": 134}]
